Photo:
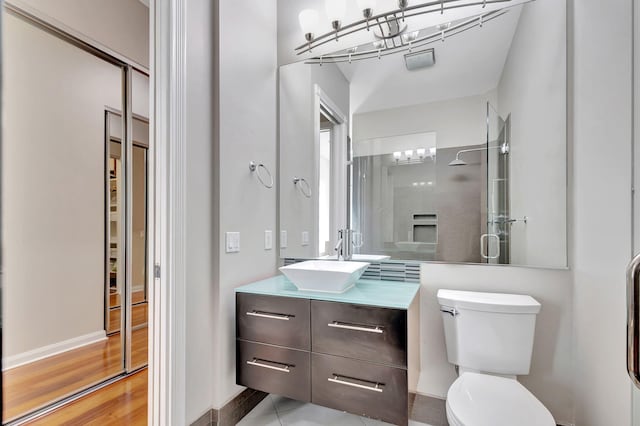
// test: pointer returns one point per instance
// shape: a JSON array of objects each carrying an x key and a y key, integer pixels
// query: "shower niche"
[{"x": 425, "y": 228}]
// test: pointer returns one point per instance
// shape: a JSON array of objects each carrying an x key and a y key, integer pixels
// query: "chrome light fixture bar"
[
  {"x": 411, "y": 42},
  {"x": 391, "y": 19}
]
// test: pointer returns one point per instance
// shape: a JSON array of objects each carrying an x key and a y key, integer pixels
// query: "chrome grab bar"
[
  {"x": 283, "y": 317},
  {"x": 367, "y": 328},
  {"x": 285, "y": 367},
  {"x": 483, "y": 239},
  {"x": 375, "y": 388},
  {"x": 633, "y": 317}
]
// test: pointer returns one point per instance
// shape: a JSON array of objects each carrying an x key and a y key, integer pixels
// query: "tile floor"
[{"x": 279, "y": 411}]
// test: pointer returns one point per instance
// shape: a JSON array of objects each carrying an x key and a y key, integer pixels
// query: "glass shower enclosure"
[{"x": 495, "y": 240}]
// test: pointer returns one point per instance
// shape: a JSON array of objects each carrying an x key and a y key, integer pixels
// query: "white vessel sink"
[
  {"x": 360, "y": 257},
  {"x": 324, "y": 275}
]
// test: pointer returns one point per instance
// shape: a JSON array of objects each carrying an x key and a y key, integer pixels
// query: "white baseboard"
[{"x": 53, "y": 349}]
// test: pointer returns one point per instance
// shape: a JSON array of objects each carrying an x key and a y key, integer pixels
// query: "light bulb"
[
  {"x": 410, "y": 37},
  {"x": 432, "y": 151},
  {"x": 421, "y": 152},
  {"x": 397, "y": 155},
  {"x": 409, "y": 153},
  {"x": 308, "y": 19},
  {"x": 336, "y": 9}
]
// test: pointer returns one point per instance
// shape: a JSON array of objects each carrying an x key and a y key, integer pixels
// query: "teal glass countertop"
[{"x": 385, "y": 294}]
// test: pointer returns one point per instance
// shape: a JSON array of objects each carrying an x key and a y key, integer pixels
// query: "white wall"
[
  {"x": 297, "y": 152},
  {"x": 533, "y": 90},
  {"x": 602, "y": 121},
  {"x": 456, "y": 122},
  {"x": 247, "y": 132},
  {"x": 53, "y": 169},
  {"x": 231, "y": 99},
  {"x": 120, "y": 25}
]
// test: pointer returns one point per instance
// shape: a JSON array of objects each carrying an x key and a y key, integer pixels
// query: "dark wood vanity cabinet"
[{"x": 350, "y": 357}]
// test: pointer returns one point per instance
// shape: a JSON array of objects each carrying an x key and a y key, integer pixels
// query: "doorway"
[
  {"x": 76, "y": 214},
  {"x": 330, "y": 153}
]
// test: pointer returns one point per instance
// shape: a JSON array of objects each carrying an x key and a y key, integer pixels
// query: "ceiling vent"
[{"x": 419, "y": 60}]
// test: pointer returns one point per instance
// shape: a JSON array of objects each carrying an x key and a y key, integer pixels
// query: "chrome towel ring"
[
  {"x": 255, "y": 168},
  {"x": 302, "y": 184}
]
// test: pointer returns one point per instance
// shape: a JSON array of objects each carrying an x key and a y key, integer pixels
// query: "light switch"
[
  {"x": 283, "y": 239},
  {"x": 232, "y": 242},
  {"x": 268, "y": 240},
  {"x": 305, "y": 238}
]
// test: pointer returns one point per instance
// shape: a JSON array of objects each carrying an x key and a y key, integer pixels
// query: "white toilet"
[{"x": 489, "y": 336}]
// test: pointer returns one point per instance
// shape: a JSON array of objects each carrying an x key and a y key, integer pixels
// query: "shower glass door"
[{"x": 495, "y": 240}]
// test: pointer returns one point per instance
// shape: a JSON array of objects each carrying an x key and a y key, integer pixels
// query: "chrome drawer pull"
[
  {"x": 285, "y": 369},
  {"x": 283, "y": 317},
  {"x": 369, "y": 329},
  {"x": 375, "y": 388}
]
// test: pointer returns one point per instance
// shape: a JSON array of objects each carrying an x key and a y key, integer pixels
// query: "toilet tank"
[{"x": 489, "y": 332}]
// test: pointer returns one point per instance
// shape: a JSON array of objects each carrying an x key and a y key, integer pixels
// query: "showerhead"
[{"x": 457, "y": 162}]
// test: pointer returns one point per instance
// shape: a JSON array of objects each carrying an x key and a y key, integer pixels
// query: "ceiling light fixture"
[{"x": 388, "y": 26}]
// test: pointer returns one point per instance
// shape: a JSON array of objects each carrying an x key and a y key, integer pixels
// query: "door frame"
[
  {"x": 167, "y": 296},
  {"x": 323, "y": 104}
]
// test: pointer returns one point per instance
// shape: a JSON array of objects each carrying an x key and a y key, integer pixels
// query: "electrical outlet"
[
  {"x": 283, "y": 239},
  {"x": 268, "y": 240},
  {"x": 232, "y": 242},
  {"x": 305, "y": 238}
]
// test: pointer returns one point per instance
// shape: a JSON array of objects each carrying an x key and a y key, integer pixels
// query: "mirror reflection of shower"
[
  {"x": 504, "y": 149},
  {"x": 495, "y": 243}
]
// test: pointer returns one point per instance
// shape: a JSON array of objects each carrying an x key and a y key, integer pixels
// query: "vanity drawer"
[
  {"x": 362, "y": 332},
  {"x": 273, "y": 369},
  {"x": 282, "y": 321},
  {"x": 361, "y": 388}
]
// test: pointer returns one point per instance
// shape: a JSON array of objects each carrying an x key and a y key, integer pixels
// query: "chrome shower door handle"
[
  {"x": 483, "y": 240},
  {"x": 633, "y": 297}
]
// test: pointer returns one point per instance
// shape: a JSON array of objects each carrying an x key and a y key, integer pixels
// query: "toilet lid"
[{"x": 484, "y": 400}]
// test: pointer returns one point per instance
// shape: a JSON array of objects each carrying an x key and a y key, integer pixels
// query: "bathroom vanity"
[{"x": 356, "y": 351}]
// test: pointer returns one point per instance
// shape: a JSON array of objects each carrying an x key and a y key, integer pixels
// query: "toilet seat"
[{"x": 483, "y": 400}]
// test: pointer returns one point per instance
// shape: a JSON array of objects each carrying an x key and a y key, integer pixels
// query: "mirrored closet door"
[{"x": 116, "y": 218}]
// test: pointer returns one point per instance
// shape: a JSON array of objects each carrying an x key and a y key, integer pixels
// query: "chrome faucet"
[{"x": 344, "y": 248}]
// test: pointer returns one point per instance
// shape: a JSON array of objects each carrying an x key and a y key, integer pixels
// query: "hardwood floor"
[
  {"x": 121, "y": 403},
  {"x": 136, "y": 297},
  {"x": 139, "y": 317},
  {"x": 37, "y": 384}
]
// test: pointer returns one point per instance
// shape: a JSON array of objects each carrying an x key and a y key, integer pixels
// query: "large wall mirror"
[{"x": 453, "y": 151}]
